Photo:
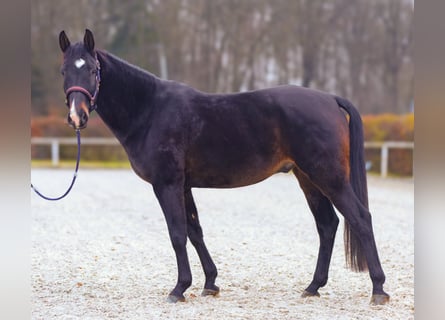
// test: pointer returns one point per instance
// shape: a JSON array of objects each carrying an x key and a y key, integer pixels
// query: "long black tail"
[{"x": 355, "y": 257}]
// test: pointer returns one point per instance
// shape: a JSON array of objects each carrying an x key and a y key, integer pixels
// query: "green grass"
[{"x": 68, "y": 164}]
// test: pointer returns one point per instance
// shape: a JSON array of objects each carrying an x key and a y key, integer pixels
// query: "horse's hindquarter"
[
  {"x": 317, "y": 129},
  {"x": 241, "y": 139}
]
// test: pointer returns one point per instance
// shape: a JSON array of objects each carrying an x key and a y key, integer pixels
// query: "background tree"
[{"x": 358, "y": 49}]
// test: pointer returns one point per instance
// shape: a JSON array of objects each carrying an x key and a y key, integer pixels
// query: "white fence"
[
  {"x": 384, "y": 153},
  {"x": 56, "y": 142}
]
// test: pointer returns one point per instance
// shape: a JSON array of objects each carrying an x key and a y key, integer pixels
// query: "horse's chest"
[
  {"x": 141, "y": 172},
  {"x": 139, "y": 161}
]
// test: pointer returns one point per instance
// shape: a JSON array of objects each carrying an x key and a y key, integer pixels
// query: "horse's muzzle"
[
  {"x": 78, "y": 115},
  {"x": 78, "y": 123}
]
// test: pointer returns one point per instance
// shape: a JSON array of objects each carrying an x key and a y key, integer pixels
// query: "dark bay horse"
[{"x": 178, "y": 138}]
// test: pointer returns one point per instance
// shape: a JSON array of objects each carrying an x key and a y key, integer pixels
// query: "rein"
[{"x": 74, "y": 176}]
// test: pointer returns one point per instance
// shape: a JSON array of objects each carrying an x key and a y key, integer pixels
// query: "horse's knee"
[
  {"x": 196, "y": 241},
  {"x": 195, "y": 234},
  {"x": 178, "y": 241}
]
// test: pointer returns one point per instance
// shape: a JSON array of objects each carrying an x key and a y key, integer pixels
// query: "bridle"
[{"x": 92, "y": 97}]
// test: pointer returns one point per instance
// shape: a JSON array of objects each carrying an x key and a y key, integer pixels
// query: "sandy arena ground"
[{"x": 103, "y": 252}]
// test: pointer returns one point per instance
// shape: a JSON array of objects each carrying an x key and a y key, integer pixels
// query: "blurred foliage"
[
  {"x": 361, "y": 50},
  {"x": 390, "y": 127}
]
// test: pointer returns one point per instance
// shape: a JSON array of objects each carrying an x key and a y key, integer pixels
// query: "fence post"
[
  {"x": 384, "y": 161},
  {"x": 55, "y": 152}
]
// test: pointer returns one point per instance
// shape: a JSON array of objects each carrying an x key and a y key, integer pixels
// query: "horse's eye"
[
  {"x": 62, "y": 72},
  {"x": 93, "y": 71}
]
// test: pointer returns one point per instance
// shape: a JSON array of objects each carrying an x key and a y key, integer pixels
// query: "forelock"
[{"x": 76, "y": 51}]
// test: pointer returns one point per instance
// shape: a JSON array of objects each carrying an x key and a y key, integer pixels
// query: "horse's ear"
[
  {"x": 64, "y": 42},
  {"x": 88, "y": 40}
]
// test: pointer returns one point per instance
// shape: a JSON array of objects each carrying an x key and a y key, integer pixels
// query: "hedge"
[{"x": 390, "y": 127}]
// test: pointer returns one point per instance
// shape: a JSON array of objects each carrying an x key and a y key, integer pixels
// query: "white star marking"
[{"x": 79, "y": 63}]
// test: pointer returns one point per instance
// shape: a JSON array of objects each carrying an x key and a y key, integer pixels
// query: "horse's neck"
[{"x": 125, "y": 95}]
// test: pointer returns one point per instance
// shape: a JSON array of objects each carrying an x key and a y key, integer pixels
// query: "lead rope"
[{"x": 74, "y": 176}]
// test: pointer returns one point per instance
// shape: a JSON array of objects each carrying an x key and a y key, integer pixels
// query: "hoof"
[
  {"x": 379, "y": 299},
  {"x": 173, "y": 299},
  {"x": 306, "y": 294},
  {"x": 210, "y": 292}
]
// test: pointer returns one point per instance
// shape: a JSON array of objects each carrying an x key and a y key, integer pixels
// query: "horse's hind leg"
[
  {"x": 327, "y": 222},
  {"x": 195, "y": 235},
  {"x": 359, "y": 218},
  {"x": 340, "y": 192}
]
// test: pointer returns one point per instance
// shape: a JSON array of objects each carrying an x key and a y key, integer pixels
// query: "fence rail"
[
  {"x": 384, "y": 153},
  {"x": 56, "y": 142}
]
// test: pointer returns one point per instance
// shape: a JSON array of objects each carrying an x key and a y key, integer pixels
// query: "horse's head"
[{"x": 81, "y": 78}]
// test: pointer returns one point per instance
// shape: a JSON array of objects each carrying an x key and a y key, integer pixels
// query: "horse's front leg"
[
  {"x": 196, "y": 237},
  {"x": 171, "y": 198}
]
